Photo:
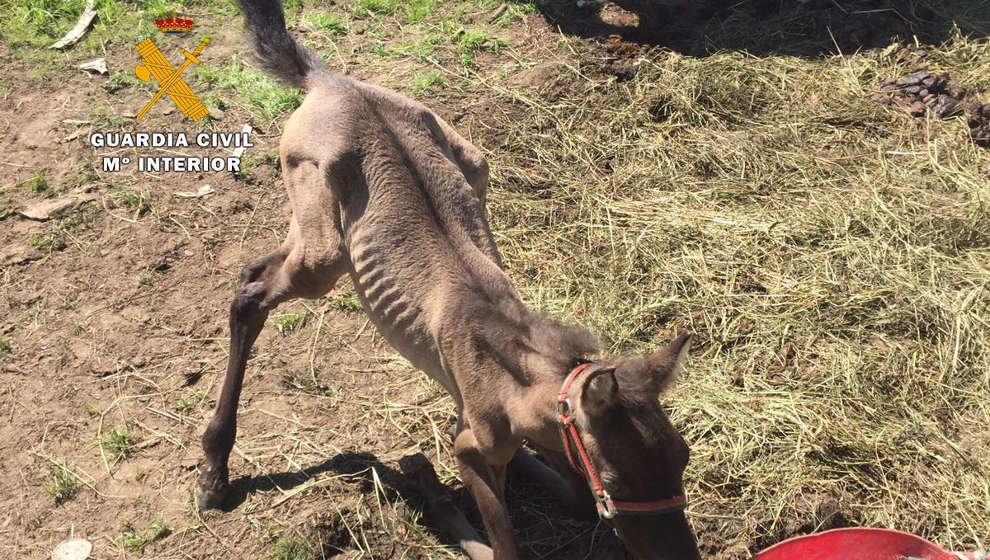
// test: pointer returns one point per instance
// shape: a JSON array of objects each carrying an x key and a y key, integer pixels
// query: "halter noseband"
[{"x": 607, "y": 507}]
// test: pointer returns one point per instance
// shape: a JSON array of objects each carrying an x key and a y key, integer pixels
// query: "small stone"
[
  {"x": 72, "y": 549},
  {"x": 17, "y": 254},
  {"x": 97, "y": 66},
  {"x": 48, "y": 209}
]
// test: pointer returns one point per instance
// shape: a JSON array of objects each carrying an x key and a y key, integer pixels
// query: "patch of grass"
[
  {"x": 471, "y": 42},
  {"x": 365, "y": 8},
  {"x": 417, "y": 10},
  {"x": 31, "y": 25},
  {"x": 117, "y": 442},
  {"x": 347, "y": 303},
  {"x": 251, "y": 161},
  {"x": 186, "y": 404},
  {"x": 37, "y": 23},
  {"x": 38, "y": 185},
  {"x": 424, "y": 81},
  {"x": 328, "y": 23},
  {"x": 64, "y": 483},
  {"x": 123, "y": 198},
  {"x": 138, "y": 538},
  {"x": 79, "y": 177},
  {"x": 103, "y": 119},
  {"x": 120, "y": 80},
  {"x": 288, "y": 322},
  {"x": 41, "y": 241},
  {"x": 262, "y": 93},
  {"x": 134, "y": 202},
  {"x": 414, "y": 10},
  {"x": 4, "y": 345},
  {"x": 515, "y": 12},
  {"x": 293, "y": 548}
]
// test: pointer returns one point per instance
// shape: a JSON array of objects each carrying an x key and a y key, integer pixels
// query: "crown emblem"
[{"x": 174, "y": 25}]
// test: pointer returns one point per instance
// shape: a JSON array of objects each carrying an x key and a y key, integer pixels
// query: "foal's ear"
[
  {"x": 665, "y": 364},
  {"x": 600, "y": 391}
]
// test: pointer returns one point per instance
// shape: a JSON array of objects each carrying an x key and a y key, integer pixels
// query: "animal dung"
[
  {"x": 924, "y": 92},
  {"x": 979, "y": 124},
  {"x": 921, "y": 93}
]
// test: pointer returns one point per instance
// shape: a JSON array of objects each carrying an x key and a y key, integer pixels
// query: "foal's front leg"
[{"x": 486, "y": 481}]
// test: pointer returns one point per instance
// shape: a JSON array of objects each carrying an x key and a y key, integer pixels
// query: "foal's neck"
[{"x": 531, "y": 357}]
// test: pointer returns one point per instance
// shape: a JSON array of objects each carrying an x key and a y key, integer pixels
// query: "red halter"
[{"x": 607, "y": 507}]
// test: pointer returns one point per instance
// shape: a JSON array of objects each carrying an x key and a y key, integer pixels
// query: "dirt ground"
[{"x": 113, "y": 315}]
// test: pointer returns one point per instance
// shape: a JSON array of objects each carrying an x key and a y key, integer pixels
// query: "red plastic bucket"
[{"x": 859, "y": 543}]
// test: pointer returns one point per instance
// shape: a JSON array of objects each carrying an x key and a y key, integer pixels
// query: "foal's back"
[{"x": 406, "y": 195}]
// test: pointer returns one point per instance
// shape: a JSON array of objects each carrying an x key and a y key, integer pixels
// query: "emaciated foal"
[{"x": 385, "y": 191}]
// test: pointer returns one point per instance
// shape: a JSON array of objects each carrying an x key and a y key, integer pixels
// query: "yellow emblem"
[{"x": 169, "y": 79}]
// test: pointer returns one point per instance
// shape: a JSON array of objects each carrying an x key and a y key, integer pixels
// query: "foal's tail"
[{"x": 278, "y": 53}]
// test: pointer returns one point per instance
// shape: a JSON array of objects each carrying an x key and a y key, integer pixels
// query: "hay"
[{"x": 832, "y": 255}]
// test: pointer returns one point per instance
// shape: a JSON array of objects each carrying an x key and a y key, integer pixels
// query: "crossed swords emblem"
[{"x": 170, "y": 79}]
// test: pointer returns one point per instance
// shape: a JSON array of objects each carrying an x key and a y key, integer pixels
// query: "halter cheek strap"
[{"x": 578, "y": 457}]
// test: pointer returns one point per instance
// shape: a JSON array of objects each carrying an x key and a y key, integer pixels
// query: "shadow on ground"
[
  {"x": 530, "y": 506},
  {"x": 808, "y": 28}
]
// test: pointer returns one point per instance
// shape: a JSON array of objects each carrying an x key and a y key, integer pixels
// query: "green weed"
[
  {"x": 122, "y": 198},
  {"x": 120, "y": 80},
  {"x": 41, "y": 241},
  {"x": 262, "y": 93},
  {"x": 328, "y": 23},
  {"x": 347, "y": 303},
  {"x": 136, "y": 539},
  {"x": 39, "y": 185},
  {"x": 185, "y": 405},
  {"x": 117, "y": 442},
  {"x": 292, "y": 548},
  {"x": 474, "y": 41},
  {"x": 4, "y": 345},
  {"x": 103, "y": 119},
  {"x": 515, "y": 12},
  {"x": 64, "y": 483},
  {"x": 423, "y": 82},
  {"x": 365, "y": 8},
  {"x": 288, "y": 322},
  {"x": 417, "y": 10}
]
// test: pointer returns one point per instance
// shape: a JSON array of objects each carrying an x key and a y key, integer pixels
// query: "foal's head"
[{"x": 636, "y": 453}]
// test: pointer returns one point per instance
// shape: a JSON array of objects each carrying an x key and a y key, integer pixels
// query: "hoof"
[{"x": 211, "y": 498}]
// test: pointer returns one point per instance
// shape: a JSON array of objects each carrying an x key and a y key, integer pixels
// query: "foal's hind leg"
[
  {"x": 307, "y": 265},
  {"x": 265, "y": 283}
]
